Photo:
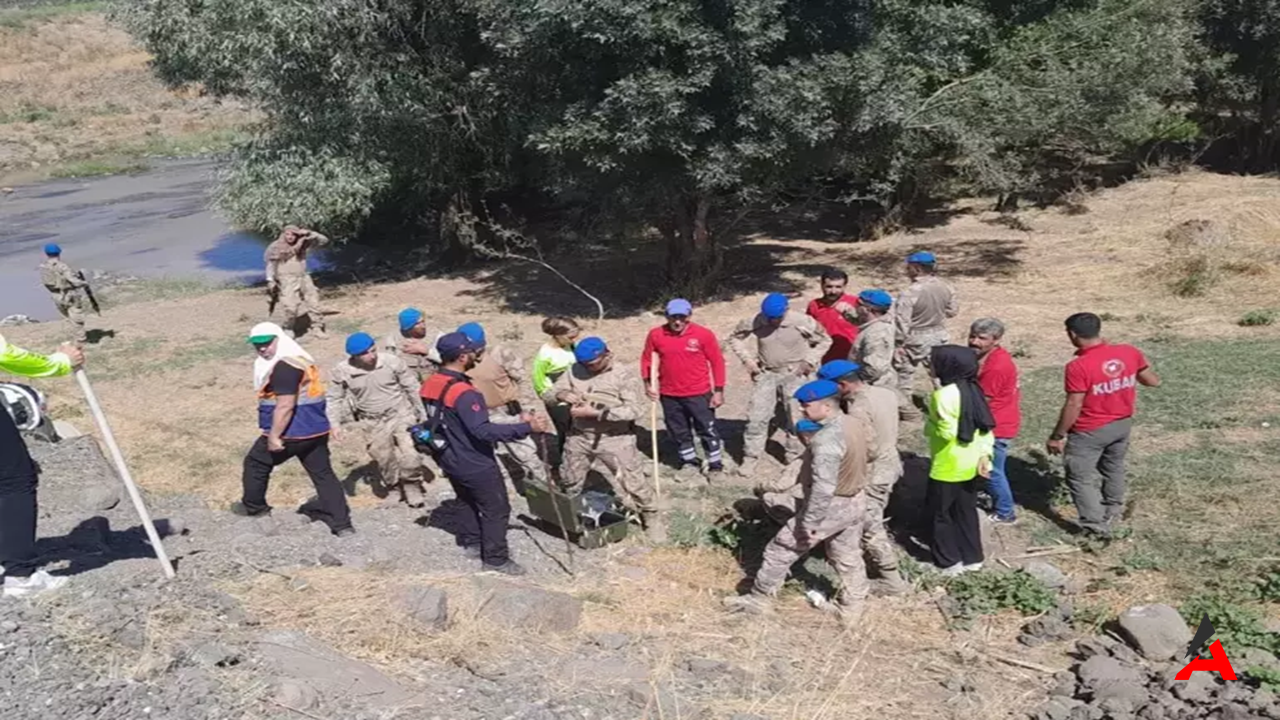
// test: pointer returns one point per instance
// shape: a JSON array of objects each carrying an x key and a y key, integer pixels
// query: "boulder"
[
  {"x": 1048, "y": 627},
  {"x": 1046, "y": 573},
  {"x": 427, "y": 605},
  {"x": 99, "y": 497},
  {"x": 295, "y": 656},
  {"x": 611, "y": 641},
  {"x": 1064, "y": 685},
  {"x": 529, "y": 608},
  {"x": 1105, "y": 678},
  {"x": 66, "y": 430},
  {"x": 1199, "y": 688},
  {"x": 1156, "y": 631},
  {"x": 1058, "y": 708}
]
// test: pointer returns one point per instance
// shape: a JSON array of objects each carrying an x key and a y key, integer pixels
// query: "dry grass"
[{"x": 75, "y": 87}]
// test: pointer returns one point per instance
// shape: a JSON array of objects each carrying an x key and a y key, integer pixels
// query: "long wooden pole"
[
  {"x": 123, "y": 470},
  {"x": 653, "y": 420}
]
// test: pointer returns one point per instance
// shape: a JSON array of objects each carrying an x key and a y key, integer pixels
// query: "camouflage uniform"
[
  {"x": 873, "y": 350},
  {"x": 833, "y": 510},
  {"x": 920, "y": 317},
  {"x": 498, "y": 378},
  {"x": 609, "y": 439},
  {"x": 421, "y": 366},
  {"x": 384, "y": 401},
  {"x": 879, "y": 407},
  {"x": 287, "y": 266},
  {"x": 781, "y": 352},
  {"x": 66, "y": 288}
]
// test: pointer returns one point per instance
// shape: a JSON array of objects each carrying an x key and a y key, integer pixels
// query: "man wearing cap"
[
  {"x": 690, "y": 383},
  {"x": 874, "y": 348},
  {"x": 789, "y": 347},
  {"x": 67, "y": 288},
  {"x": 413, "y": 343},
  {"x": 921, "y": 322},
  {"x": 835, "y": 312},
  {"x": 456, "y": 413},
  {"x": 379, "y": 392},
  {"x": 500, "y": 378},
  {"x": 286, "y": 262},
  {"x": 833, "y": 510},
  {"x": 879, "y": 406},
  {"x": 604, "y": 402},
  {"x": 781, "y": 496}
]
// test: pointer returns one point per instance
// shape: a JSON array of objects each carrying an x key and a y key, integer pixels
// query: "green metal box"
[{"x": 544, "y": 504}]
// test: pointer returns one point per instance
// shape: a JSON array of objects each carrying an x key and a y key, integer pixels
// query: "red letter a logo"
[{"x": 1217, "y": 662}]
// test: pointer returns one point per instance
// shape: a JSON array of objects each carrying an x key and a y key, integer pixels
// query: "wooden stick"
[
  {"x": 123, "y": 469},
  {"x": 653, "y": 422},
  {"x": 1021, "y": 663},
  {"x": 1046, "y": 553}
]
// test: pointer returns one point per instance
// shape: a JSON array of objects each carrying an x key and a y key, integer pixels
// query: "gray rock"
[
  {"x": 1066, "y": 609},
  {"x": 1064, "y": 685},
  {"x": 1046, "y": 573},
  {"x": 1256, "y": 657},
  {"x": 529, "y": 608},
  {"x": 99, "y": 498},
  {"x": 329, "y": 560},
  {"x": 298, "y": 584},
  {"x": 1235, "y": 712},
  {"x": 66, "y": 430},
  {"x": 1058, "y": 708},
  {"x": 1091, "y": 646},
  {"x": 1199, "y": 688},
  {"x": 1048, "y": 627},
  {"x": 1126, "y": 654},
  {"x": 1075, "y": 586},
  {"x": 295, "y": 656},
  {"x": 1156, "y": 631},
  {"x": 1117, "y": 706},
  {"x": 611, "y": 641},
  {"x": 705, "y": 667},
  {"x": 603, "y": 670},
  {"x": 8, "y": 626},
  {"x": 1030, "y": 640},
  {"x": 296, "y": 695},
  {"x": 427, "y": 605},
  {"x": 213, "y": 655},
  {"x": 744, "y": 716},
  {"x": 1103, "y": 677}
]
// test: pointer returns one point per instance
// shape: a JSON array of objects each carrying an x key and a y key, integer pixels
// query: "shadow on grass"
[{"x": 93, "y": 544}]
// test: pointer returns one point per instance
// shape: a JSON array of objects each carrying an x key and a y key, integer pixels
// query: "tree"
[{"x": 1241, "y": 92}]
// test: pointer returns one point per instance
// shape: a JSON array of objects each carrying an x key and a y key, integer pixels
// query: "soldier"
[
  {"x": 921, "y": 323},
  {"x": 781, "y": 496},
  {"x": 66, "y": 287},
  {"x": 287, "y": 278},
  {"x": 833, "y": 510},
  {"x": 410, "y": 343},
  {"x": 873, "y": 349},
  {"x": 789, "y": 348},
  {"x": 880, "y": 406},
  {"x": 605, "y": 402},
  {"x": 499, "y": 377},
  {"x": 381, "y": 393}
]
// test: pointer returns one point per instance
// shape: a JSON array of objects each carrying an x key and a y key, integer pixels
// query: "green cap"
[{"x": 261, "y": 339}]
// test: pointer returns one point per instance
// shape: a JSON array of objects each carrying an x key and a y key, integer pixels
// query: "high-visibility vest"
[{"x": 309, "y": 418}]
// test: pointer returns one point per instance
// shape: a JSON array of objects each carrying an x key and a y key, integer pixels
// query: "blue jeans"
[{"x": 998, "y": 483}]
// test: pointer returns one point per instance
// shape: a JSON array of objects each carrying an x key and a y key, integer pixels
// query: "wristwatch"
[{"x": 1057, "y": 436}]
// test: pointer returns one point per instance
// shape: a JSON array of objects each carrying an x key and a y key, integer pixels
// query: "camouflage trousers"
[
  {"x": 402, "y": 467},
  {"x": 523, "y": 452},
  {"x": 875, "y": 537},
  {"x": 70, "y": 305},
  {"x": 842, "y": 531},
  {"x": 299, "y": 296},
  {"x": 621, "y": 460},
  {"x": 915, "y": 353},
  {"x": 772, "y": 398}
]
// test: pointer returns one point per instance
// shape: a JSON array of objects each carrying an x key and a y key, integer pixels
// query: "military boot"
[
  {"x": 411, "y": 493},
  {"x": 890, "y": 584}
]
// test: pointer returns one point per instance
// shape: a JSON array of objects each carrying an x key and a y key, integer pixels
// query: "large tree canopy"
[{"x": 392, "y": 116}]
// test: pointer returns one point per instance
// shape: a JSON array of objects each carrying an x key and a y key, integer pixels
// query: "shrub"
[
  {"x": 1256, "y": 318},
  {"x": 985, "y": 593}
]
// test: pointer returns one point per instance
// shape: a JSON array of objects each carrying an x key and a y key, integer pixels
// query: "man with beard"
[{"x": 834, "y": 311}]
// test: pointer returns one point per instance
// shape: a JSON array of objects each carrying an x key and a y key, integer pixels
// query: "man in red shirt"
[
  {"x": 833, "y": 312},
  {"x": 1093, "y": 428},
  {"x": 998, "y": 378},
  {"x": 690, "y": 383}
]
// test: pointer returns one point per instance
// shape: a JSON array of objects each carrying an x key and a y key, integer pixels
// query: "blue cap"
[
  {"x": 452, "y": 345},
  {"x": 589, "y": 349},
  {"x": 924, "y": 257},
  {"x": 807, "y": 426},
  {"x": 774, "y": 305},
  {"x": 679, "y": 306},
  {"x": 474, "y": 333},
  {"x": 817, "y": 390},
  {"x": 410, "y": 317},
  {"x": 837, "y": 369},
  {"x": 876, "y": 298},
  {"x": 52, "y": 249},
  {"x": 359, "y": 343}
]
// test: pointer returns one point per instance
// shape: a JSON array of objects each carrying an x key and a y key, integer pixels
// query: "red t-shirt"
[
  {"x": 998, "y": 378},
  {"x": 1108, "y": 376},
  {"x": 688, "y": 363},
  {"x": 842, "y": 332}
]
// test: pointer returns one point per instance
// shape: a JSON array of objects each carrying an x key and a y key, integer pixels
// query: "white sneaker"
[
  {"x": 952, "y": 571},
  {"x": 975, "y": 567},
  {"x": 39, "y": 582}
]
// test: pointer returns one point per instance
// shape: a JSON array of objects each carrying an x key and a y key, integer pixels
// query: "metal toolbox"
[{"x": 589, "y": 533}]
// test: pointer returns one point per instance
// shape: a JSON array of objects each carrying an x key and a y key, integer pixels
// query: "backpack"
[{"x": 429, "y": 437}]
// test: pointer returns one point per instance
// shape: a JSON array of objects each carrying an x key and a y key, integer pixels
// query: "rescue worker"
[
  {"x": 833, "y": 510},
  {"x": 998, "y": 378},
  {"x": 500, "y": 377},
  {"x": 19, "y": 477},
  {"x": 380, "y": 393},
  {"x": 287, "y": 277},
  {"x": 880, "y": 406},
  {"x": 835, "y": 312},
  {"x": 781, "y": 496},
  {"x": 690, "y": 384},
  {"x": 66, "y": 287},
  {"x": 294, "y": 423},
  {"x": 413, "y": 343},
  {"x": 788, "y": 349},
  {"x": 920, "y": 318},
  {"x": 456, "y": 414},
  {"x": 555, "y": 358},
  {"x": 873, "y": 350},
  {"x": 604, "y": 403}
]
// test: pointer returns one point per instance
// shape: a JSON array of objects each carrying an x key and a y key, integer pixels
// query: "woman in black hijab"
[{"x": 960, "y": 445}]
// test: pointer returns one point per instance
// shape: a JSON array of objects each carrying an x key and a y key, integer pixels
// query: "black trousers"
[
  {"x": 683, "y": 416},
  {"x": 18, "y": 525},
  {"x": 554, "y": 448},
  {"x": 313, "y": 453},
  {"x": 957, "y": 536},
  {"x": 487, "y": 513}
]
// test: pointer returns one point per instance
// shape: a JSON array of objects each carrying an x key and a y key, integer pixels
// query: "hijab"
[
  {"x": 958, "y": 365},
  {"x": 286, "y": 347}
]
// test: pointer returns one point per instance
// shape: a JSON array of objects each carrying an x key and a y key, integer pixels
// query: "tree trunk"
[{"x": 693, "y": 259}]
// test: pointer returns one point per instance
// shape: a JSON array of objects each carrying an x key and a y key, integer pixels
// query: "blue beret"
[
  {"x": 474, "y": 333},
  {"x": 452, "y": 345},
  {"x": 817, "y": 390},
  {"x": 589, "y": 349},
  {"x": 359, "y": 343},
  {"x": 52, "y": 249},
  {"x": 807, "y": 426},
  {"x": 837, "y": 369},
  {"x": 679, "y": 306},
  {"x": 924, "y": 257},
  {"x": 410, "y": 317},
  {"x": 774, "y": 305},
  {"x": 876, "y": 297}
]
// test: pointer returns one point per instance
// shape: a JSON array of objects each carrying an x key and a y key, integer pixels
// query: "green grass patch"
[
  {"x": 20, "y": 18},
  {"x": 986, "y": 593},
  {"x": 97, "y": 168},
  {"x": 147, "y": 289},
  {"x": 208, "y": 142},
  {"x": 1257, "y": 318}
]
